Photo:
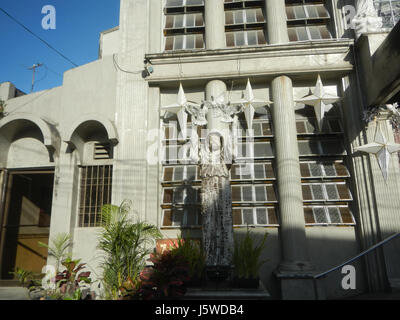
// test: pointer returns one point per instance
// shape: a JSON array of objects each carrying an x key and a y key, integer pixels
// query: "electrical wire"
[
  {"x": 35, "y": 35},
  {"x": 116, "y": 65}
]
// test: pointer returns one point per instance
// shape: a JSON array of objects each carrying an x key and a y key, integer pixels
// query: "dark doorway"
[{"x": 26, "y": 221}]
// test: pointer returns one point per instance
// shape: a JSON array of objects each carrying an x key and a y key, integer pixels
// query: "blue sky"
[{"x": 78, "y": 25}]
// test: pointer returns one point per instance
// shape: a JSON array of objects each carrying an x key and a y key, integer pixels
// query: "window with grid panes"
[
  {"x": 307, "y": 20},
  {"x": 180, "y": 198},
  {"x": 253, "y": 180},
  {"x": 95, "y": 191},
  {"x": 389, "y": 11},
  {"x": 325, "y": 177},
  {"x": 184, "y": 25},
  {"x": 244, "y": 23}
]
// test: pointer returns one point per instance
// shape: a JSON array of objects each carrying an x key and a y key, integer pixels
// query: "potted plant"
[
  {"x": 191, "y": 251},
  {"x": 166, "y": 278},
  {"x": 247, "y": 263},
  {"x": 124, "y": 243}
]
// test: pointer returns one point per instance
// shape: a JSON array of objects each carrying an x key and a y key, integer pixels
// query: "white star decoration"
[
  {"x": 319, "y": 99},
  {"x": 382, "y": 149},
  {"x": 249, "y": 104},
  {"x": 179, "y": 109}
]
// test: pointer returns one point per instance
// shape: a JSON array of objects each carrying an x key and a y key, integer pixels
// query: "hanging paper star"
[
  {"x": 179, "y": 109},
  {"x": 382, "y": 149},
  {"x": 250, "y": 103},
  {"x": 319, "y": 99}
]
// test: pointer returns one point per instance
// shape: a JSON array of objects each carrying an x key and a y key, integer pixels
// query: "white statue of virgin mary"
[{"x": 216, "y": 201}]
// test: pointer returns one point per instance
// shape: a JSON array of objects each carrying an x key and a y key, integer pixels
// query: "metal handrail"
[{"x": 379, "y": 244}]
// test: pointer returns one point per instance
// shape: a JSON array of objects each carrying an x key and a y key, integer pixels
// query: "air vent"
[{"x": 102, "y": 151}]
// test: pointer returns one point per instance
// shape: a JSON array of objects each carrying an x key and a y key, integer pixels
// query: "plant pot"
[
  {"x": 194, "y": 282},
  {"x": 246, "y": 283}
]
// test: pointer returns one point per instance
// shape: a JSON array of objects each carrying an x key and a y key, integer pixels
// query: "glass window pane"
[
  {"x": 259, "y": 171},
  {"x": 199, "y": 42},
  {"x": 308, "y": 215},
  {"x": 272, "y": 219},
  {"x": 329, "y": 170},
  {"x": 271, "y": 196},
  {"x": 236, "y": 194},
  {"x": 237, "y": 217},
  {"x": 260, "y": 193},
  {"x": 248, "y": 216},
  {"x": 306, "y": 192},
  {"x": 177, "y": 217},
  {"x": 174, "y": 3},
  {"x": 292, "y": 34},
  {"x": 305, "y": 172},
  {"x": 312, "y": 11},
  {"x": 230, "y": 39},
  {"x": 332, "y": 147},
  {"x": 168, "y": 193},
  {"x": 334, "y": 215},
  {"x": 238, "y": 16},
  {"x": 261, "y": 215},
  {"x": 314, "y": 32},
  {"x": 290, "y": 13},
  {"x": 168, "y": 174},
  {"x": 252, "y": 38},
  {"x": 178, "y": 22},
  {"x": 169, "y": 22},
  {"x": 270, "y": 174},
  {"x": 191, "y": 218},
  {"x": 261, "y": 37},
  {"x": 178, "y": 173},
  {"x": 331, "y": 192},
  {"x": 251, "y": 16},
  {"x": 316, "y": 170},
  {"x": 344, "y": 192},
  {"x": 191, "y": 173},
  {"x": 320, "y": 216},
  {"x": 178, "y": 42},
  {"x": 302, "y": 33},
  {"x": 167, "y": 221},
  {"x": 240, "y": 39},
  {"x": 346, "y": 215},
  {"x": 178, "y": 195},
  {"x": 263, "y": 150},
  {"x": 260, "y": 15},
  {"x": 229, "y": 18},
  {"x": 317, "y": 192},
  {"x": 247, "y": 192},
  {"x": 299, "y": 12},
  {"x": 190, "y": 20},
  {"x": 246, "y": 171},
  {"x": 190, "y": 41}
]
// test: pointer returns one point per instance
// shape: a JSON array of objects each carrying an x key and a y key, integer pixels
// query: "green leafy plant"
[
  {"x": 58, "y": 247},
  {"x": 27, "y": 278},
  {"x": 246, "y": 256},
  {"x": 70, "y": 281},
  {"x": 191, "y": 252},
  {"x": 166, "y": 278},
  {"x": 125, "y": 243}
]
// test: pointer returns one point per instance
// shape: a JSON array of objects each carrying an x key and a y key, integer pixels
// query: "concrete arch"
[
  {"x": 92, "y": 117},
  {"x": 13, "y": 124},
  {"x": 82, "y": 129}
]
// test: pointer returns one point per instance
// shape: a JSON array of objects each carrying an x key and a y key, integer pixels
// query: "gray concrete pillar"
[
  {"x": 214, "y": 89},
  {"x": 276, "y": 21},
  {"x": 294, "y": 268},
  {"x": 214, "y": 16}
]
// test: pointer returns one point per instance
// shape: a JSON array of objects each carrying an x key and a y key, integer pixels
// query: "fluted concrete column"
[
  {"x": 289, "y": 177},
  {"x": 276, "y": 21},
  {"x": 214, "y": 15},
  {"x": 214, "y": 89},
  {"x": 294, "y": 270}
]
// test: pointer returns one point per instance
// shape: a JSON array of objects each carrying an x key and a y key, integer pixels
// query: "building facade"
[{"x": 103, "y": 137}]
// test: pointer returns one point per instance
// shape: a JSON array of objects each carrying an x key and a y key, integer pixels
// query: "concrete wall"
[{"x": 109, "y": 42}]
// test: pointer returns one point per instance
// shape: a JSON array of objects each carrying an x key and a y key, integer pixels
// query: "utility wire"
[{"x": 44, "y": 41}]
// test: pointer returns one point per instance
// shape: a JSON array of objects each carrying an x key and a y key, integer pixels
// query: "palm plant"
[
  {"x": 58, "y": 247},
  {"x": 246, "y": 256},
  {"x": 124, "y": 243}
]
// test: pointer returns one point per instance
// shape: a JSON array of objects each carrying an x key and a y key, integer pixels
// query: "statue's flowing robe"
[{"x": 216, "y": 210}]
